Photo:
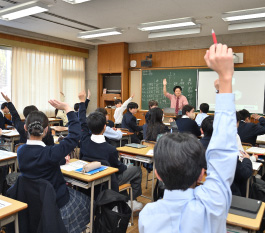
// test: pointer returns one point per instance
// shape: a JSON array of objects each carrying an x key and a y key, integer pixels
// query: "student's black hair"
[
  {"x": 207, "y": 126},
  {"x": 132, "y": 105},
  {"x": 179, "y": 159},
  {"x": 102, "y": 110},
  {"x": 117, "y": 101},
  {"x": 179, "y": 87},
  {"x": 36, "y": 122},
  {"x": 76, "y": 107},
  {"x": 155, "y": 125},
  {"x": 152, "y": 103},
  {"x": 3, "y": 105},
  {"x": 27, "y": 110},
  {"x": 204, "y": 107},
  {"x": 96, "y": 122},
  {"x": 186, "y": 108},
  {"x": 244, "y": 114}
]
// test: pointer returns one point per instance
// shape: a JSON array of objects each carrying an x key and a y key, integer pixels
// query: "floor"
[{"x": 146, "y": 192}]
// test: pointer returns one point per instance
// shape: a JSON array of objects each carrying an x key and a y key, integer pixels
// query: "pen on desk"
[{"x": 214, "y": 37}]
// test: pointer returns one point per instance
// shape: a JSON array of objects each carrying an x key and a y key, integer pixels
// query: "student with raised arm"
[
  {"x": 120, "y": 108},
  {"x": 179, "y": 164},
  {"x": 38, "y": 161},
  {"x": 178, "y": 101}
]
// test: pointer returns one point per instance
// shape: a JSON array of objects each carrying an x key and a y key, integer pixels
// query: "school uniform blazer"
[
  {"x": 42, "y": 162},
  {"x": 205, "y": 141},
  {"x": 188, "y": 125},
  {"x": 129, "y": 122},
  {"x": 243, "y": 172},
  {"x": 19, "y": 125},
  {"x": 3, "y": 121},
  {"x": 248, "y": 132},
  {"x": 92, "y": 150}
]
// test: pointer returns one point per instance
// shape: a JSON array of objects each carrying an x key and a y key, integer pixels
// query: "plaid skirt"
[{"x": 76, "y": 213}]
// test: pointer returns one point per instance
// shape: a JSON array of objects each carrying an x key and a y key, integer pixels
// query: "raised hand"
[
  {"x": 220, "y": 59},
  {"x": 164, "y": 82},
  {"x": 5, "y": 97},
  {"x": 88, "y": 93},
  {"x": 82, "y": 96},
  {"x": 60, "y": 105}
]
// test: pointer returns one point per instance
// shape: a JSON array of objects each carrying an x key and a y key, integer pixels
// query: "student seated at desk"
[
  {"x": 76, "y": 106},
  {"x": 110, "y": 133},
  {"x": 19, "y": 125},
  {"x": 207, "y": 131},
  {"x": 129, "y": 122},
  {"x": 184, "y": 208},
  {"x": 3, "y": 119},
  {"x": 204, "y": 109},
  {"x": 38, "y": 161},
  {"x": 120, "y": 108},
  {"x": 95, "y": 147},
  {"x": 248, "y": 131},
  {"x": 151, "y": 104},
  {"x": 155, "y": 125},
  {"x": 186, "y": 123}
]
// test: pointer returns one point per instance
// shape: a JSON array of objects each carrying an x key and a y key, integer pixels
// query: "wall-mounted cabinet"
[{"x": 113, "y": 65}]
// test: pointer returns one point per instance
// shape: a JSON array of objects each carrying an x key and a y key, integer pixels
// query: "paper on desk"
[
  {"x": 261, "y": 137},
  {"x": 73, "y": 166},
  {"x": 6, "y": 154},
  {"x": 256, "y": 150},
  {"x": 256, "y": 166},
  {"x": 10, "y": 132},
  {"x": 123, "y": 133},
  {"x": 150, "y": 152},
  {"x": 4, "y": 204}
]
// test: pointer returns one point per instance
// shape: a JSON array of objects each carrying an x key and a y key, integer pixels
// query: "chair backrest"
[
  {"x": 148, "y": 143},
  {"x": 42, "y": 214}
]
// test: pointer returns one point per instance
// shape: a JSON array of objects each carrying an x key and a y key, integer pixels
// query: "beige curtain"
[{"x": 39, "y": 76}]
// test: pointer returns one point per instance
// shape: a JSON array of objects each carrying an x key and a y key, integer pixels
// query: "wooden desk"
[
  {"x": 53, "y": 120},
  {"x": 90, "y": 182},
  {"x": 9, "y": 213},
  {"x": 8, "y": 158},
  {"x": 141, "y": 156},
  {"x": 11, "y": 136},
  {"x": 256, "y": 150},
  {"x": 57, "y": 130},
  {"x": 248, "y": 223}
]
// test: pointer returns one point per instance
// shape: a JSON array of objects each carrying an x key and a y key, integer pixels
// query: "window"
[{"x": 5, "y": 72}]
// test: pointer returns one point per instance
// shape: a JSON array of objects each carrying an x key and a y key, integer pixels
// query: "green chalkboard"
[{"x": 152, "y": 85}]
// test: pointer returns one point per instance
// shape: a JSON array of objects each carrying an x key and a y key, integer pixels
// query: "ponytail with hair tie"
[{"x": 35, "y": 128}]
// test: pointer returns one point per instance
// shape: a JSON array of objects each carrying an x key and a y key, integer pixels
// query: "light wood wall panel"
[{"x": 254, "y": 56}]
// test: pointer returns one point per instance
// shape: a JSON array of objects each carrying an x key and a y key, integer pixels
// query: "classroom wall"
[{"x": 91, "y": 78}]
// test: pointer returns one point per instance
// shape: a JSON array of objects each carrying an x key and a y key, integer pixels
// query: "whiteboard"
[{"x": 248, "y": 87}]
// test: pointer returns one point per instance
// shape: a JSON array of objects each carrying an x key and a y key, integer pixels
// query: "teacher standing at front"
[{"x": 178, "y": 101}]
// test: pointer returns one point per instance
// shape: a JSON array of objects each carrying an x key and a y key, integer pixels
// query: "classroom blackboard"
[{"x": 152, "y": 85}]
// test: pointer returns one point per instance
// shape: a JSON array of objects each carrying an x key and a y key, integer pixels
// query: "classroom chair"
[
  {"x": 18, "y": 145},
  {"x": 124, "y": 187},
  {"x": 150, "y": 144},
  {"x": 42, "y": 214}
]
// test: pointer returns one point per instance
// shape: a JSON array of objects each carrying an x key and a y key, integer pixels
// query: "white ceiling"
[{"x": 127, "y": 14}]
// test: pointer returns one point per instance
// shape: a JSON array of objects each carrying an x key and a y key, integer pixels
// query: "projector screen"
[{"x": 248, "y": 87}]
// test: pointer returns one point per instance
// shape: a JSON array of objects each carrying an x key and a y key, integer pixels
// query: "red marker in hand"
[{"x": 214, "y": 37}]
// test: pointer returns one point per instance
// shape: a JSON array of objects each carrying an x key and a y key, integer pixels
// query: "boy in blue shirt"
[
  {"x": 179, "y": 164},
  {"x": 204, "y": 109}
]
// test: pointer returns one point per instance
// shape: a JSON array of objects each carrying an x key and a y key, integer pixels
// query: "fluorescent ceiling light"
[
  {"x": 166, "y": 24},
  {"x": 22, "y": 10},
  {"x": 244, "y": 14},
  {"x": 187, "y": 31},
  {"x": 99, "y": 33},
  {"x": 76, "y": 1},
  {"x": 246, "y": 25}
]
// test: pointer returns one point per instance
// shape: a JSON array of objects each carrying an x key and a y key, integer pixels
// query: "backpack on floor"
[{"x": 112, "y": 213}]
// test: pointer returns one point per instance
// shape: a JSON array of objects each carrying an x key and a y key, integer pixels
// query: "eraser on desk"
[{"x": 91, "y": 166}]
